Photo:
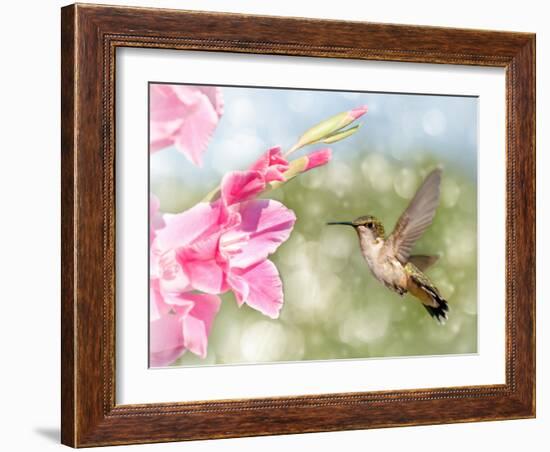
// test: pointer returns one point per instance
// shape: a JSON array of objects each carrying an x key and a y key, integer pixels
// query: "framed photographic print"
[{"x": 282, "y": 225}]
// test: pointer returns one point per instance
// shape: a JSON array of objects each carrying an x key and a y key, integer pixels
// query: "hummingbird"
[{"x": 389, "y": 258}]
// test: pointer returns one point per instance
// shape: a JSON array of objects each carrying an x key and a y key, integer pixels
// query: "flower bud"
[
  {"x": 329, "y": 127},
  {"x": 303, "y": 164},
  {"x": 318, "y": 158},
  {"x": 295, "y": 167},
  {"x": 340, "y": 135}
]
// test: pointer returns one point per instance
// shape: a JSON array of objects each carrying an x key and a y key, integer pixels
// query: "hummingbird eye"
[{"x": 369, "y": 225}]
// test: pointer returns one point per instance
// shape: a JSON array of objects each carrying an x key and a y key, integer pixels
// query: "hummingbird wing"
[
  {"x": 416, "y": 218},
  {"x": 422, "y": 261}
]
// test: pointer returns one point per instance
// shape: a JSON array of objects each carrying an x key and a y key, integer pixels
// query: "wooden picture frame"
[{"x": 90, "y": 36}]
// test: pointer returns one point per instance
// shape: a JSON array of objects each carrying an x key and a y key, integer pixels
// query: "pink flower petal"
[
  {"x": 268, "y": 224},
  {"x": 205, "y": 308},
  {"x": 194, "y": 133},
  {"x": 162, "y": 303},
  {"x": 239, "y": 286},
  {"x": 195, "y": 336},
  {"x": 272, "y": 165},
  {"x": 165, "y": 338},
  {"x": 172, "y": 278},
  {"x": 205, "y": 275},
  {"x": 167, "y": 114},
  {"x": 159, "y": 141},
  {"x": 215, "y": 97},
  {"x": 358, "y": 112},
  {"x": 183, "y": 322},
  {"x": 183, "y": 228},
  {"x": 155, "y": 218},
  {"x": 197, "y": 325},
  {"x": 192, "y": 232},
  {"x": 260, "y": 287},
  {"x": 186, "y": 95},
  {"x": 202, "y": 264},
  {"x": 238, "y": 186},
  {"x": 154, "y": 205},
  {"x": 190, "y": 94},
  {"x": 156, "y": 302},
  {"x": 184, "y": 116},
  {"x": 164, "y": 105}
]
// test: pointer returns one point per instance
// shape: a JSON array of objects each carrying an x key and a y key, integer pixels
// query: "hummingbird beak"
[{"x": 347, "y": 223}]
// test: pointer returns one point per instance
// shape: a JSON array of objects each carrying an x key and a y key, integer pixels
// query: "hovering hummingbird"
[{"x": 389, "y": 259}]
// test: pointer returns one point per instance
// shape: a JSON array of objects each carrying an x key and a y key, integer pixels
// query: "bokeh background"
[{"x": 333, "y": 307}]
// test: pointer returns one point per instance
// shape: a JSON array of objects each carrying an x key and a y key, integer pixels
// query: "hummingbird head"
[{"x": 366, "y": 225}]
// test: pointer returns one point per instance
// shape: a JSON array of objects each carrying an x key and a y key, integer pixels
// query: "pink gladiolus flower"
[
  {"x": 179, "y": 322},
  {"x": 195, "y": 233},
  {"x": 214, "y": 248},
  {"x": 224, "y": 244},
  {"x": 155, "y": 218},
  {"x": 239, "y": 186},
  {"x": 184, "y": 116}
]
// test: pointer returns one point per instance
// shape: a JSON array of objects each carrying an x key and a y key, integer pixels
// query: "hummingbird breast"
[{"x": 384, "y": 267}]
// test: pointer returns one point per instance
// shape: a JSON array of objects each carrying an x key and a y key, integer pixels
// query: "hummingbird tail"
[
  {"x": 422, "y": 288},
  {"x": 440, "y": 312}
]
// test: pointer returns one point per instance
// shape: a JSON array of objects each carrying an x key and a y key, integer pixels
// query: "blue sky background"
[{"x": 396, "y": 125}]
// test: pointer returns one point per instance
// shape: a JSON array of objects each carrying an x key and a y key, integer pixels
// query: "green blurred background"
[{"x": 333, "y": 307}]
